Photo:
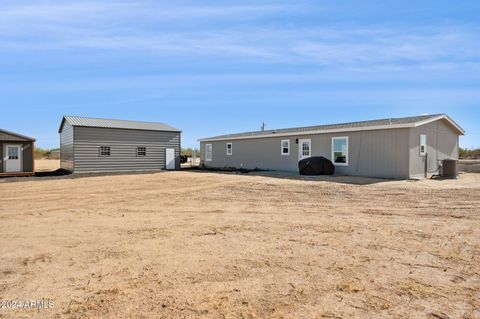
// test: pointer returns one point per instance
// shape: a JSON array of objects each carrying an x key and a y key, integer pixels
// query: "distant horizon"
[
  {"x": 466, "y": 141},
  {"x": 214, "y": 67}
]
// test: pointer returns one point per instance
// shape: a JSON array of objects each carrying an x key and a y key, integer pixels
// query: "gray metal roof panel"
[
  {"x": 120, "y": 124},
  {"x": 349, "y": 125}
]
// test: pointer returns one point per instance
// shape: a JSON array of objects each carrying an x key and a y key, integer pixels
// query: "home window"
[
  {"x": 104, "y": 150},
  {"x": 208, "y": 152},
  {"x": 141, "y": 151},
  {"x": 423, "y": 145},
  {"x": 340, "y": 150},
  {"x": 229, "y": 149},
  {"x": 285, "y": 147}
]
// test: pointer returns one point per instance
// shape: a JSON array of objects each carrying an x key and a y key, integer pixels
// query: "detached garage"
[
  {"x": 90, "y": 145},
  {"x": 16, "y": 154}
]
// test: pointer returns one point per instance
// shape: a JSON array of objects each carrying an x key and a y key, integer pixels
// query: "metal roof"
[
  {"x": 111, "y": 123},
  {"x": 20, "y": 136},
  {"x": 388, "y": 123}
]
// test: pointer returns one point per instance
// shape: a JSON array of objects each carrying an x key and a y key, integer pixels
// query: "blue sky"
[{"x": 214, "y": 67}]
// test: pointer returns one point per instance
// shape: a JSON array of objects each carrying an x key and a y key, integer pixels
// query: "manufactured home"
[
  {"x": 90, "y": 145},
  {"x": 17, "y": 156},
  {"x": 398, "y": 148}
]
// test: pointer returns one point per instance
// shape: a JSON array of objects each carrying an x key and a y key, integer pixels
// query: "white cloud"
[
  {"x": 207, "y": 31},
  {"x": 87, "y": 12}
]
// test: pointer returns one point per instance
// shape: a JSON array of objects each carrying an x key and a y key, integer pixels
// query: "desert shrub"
[
  {"x": 466, "y": 153},
  {"x": 42, "y": 153}
]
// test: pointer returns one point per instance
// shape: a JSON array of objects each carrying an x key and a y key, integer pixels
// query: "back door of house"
[
  {"x": 170, "y": 158},
  {"x": 304, "y": 149},
  {"x": 13, "y": 158}
]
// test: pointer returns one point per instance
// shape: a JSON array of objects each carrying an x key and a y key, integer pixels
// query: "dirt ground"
[
  {"x": 208, "y": 245},
  {"x": 45, "y": 165}
]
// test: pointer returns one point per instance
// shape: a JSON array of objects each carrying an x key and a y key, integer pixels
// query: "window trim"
[
  {"x": 207, "y": 158},
  {"x": 424, "y": 153},
  {"x": 281, "y": 148},
  {"x": 104, "y": 155},
  {"x": 333, "y": 150},
  {"x": 145, "y": 152},
  {"x": 231, "y": 148}
]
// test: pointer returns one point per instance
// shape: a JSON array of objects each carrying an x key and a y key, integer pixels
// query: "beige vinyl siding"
[
  {"x": 376, "y": 153},
  {"x": 442, "y": 143}
]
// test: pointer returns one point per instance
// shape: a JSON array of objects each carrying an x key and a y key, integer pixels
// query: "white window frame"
[
  {"x": 102, "y": 153},
  {"x": 143, "y": 153},
  {"x": 208, "y": 154},
  {"x": 333, "y": 150},
  {"x": 229, "y": 150},
  {"x": 281, "y": 147},
  {"x": 424, "y": 152}
]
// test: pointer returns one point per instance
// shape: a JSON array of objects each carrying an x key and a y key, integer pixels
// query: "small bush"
[
  {"x": 466, "y": 153},
  {"x": 41, "y": 153}
]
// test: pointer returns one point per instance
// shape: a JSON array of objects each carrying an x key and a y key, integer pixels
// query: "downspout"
[{"x": 437, "y": 145}]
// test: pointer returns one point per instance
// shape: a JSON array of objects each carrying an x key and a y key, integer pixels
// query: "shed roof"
[
  {"x": 15, "y": 136},
  {"x": 111, "y": 123},
  {"x": 389, "y": 123}
]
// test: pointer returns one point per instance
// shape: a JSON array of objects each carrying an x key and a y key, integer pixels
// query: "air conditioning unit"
[{"x": 449, "y": 169}]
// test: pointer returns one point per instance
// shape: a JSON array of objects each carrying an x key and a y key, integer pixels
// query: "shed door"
[
  {"x": 170, "y": 158},
  {"x": 13, "y": 158}
]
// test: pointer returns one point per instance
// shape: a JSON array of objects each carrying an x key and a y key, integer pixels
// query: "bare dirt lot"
[
  {"x": 45, "y": 165},
  {"x": 204, "y": 245}
]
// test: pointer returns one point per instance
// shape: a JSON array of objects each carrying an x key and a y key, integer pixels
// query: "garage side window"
[
  {"x": 229, "y": 149},
  {"x": 285, "y": 147},
  {"x": 340, "y": 150},
  {"x": 141, "y": 151},
  {"x": 423, "y": 145},
  {"x": 104, "y": 150},
  {"x": 208, "y": 152}
]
